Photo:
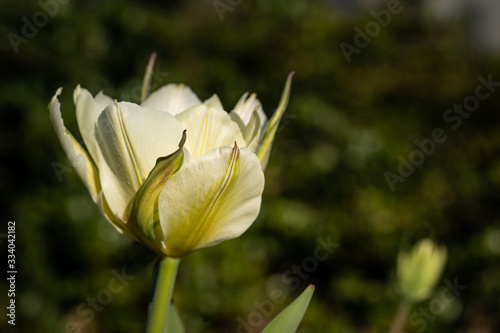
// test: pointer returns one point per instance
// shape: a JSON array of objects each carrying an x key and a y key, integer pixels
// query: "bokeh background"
[{"x": 348, "y": 123}]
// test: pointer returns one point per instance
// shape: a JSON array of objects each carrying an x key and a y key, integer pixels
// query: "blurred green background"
[{"x": 346, "y": 125}]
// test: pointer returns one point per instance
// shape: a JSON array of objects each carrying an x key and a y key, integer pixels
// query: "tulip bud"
[{"x": 419, "y": 270}]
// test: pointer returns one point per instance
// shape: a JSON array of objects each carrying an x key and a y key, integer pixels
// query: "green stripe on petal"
[
  {"x": 215, "y": 197},
  {"x": 144, "y": 207},
  {"x": 131, "y": 138},
  {"x": 214, "y": 101},
  {"x": 267, "y": 139},
  {"x": 212, "y": 128}
]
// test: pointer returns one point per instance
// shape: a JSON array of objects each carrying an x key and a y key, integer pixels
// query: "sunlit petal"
[
  {"x": 131, "y": 138},
  {"x": 209, "y": 127},
  {"x": 172, "y": 98},
  {"x": 77, "y": 156},
  {"x": 215, "y": 197}
]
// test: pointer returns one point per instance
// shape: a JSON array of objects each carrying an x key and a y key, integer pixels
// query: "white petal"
[
  {"x": 117, "y": 223},
  {"x": 214, "y": 198},
  {"x": 214, "y": 101},
  {"x": 77, "y": 156},
  {"x": 251, "y": 131},
  {"x": 172, "y": 98},
  {"x": 245, "y": 107},
  {"x": 131, "y": 138},
  {"x": 209, "y": 127},
  {"x": 103, "y": 100},
  {"x": 88, "y": 110}
]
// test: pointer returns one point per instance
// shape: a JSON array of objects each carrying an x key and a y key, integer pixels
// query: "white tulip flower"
[{"x": 174, "y": 173}]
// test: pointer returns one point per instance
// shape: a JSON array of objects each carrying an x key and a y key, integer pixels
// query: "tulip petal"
[
  {"x": 246, "y": 106},
  {"x": 214, "y": 101},
  {"x": 144, "y": 208},
  {"x": 251, "y": 131},
  {"x": 88, "y": 110},
  {"x": 130, "y": 139},
  {"x": 266, "y": 142},
  {"x": 102, "y": 100},
  {"x": 172, "y": 98},
  {"x": 209, "y": 127},
  {"x": 215, "y": 197},
  {"x": 78, "y": 157}
]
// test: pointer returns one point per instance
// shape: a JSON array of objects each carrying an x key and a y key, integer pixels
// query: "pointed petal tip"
[
  {"x": 76, "y": 93},
  {"x": 183, "y": 139},
  {"x": 54, "y": 98},
  {"x": 289, "y": 78},
  {"x": 236, "y": 151}
]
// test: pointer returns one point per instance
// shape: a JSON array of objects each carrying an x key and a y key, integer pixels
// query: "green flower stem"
[
  {"x": 164, "y": 286},
  {"x": 401, "y": 318}
]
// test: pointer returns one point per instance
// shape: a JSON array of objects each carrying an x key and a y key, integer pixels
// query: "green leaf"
[
  {"x": 174, "y": 322},
  {"x": 289, "y": 319}
]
